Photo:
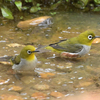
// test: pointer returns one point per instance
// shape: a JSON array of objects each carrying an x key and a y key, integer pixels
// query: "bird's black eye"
[
  {"x": 29, "y": 52},
  {"x": 90, "y": 37}
]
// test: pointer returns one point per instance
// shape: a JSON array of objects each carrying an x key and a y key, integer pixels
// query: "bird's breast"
[
  {"x": 25, "y": 65},
  {"x": 84, "y": 50}
]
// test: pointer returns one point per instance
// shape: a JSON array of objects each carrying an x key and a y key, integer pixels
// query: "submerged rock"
[
  {"x": 15, "y": 88},
  {"x": 10, "y": 97},
  {"x": 5, "y": 63},
  {"x": 39, "y": 96},
  {"x": 57, "y": 94},
  {"x": 43, "y": 21},
  {"x": 41, "y": 87},
  {"x": 4, "y": 82},
  {"x": 97, "y": 40},
  {"x": 83, "y": 84},
  {"x": 15, "y": 45},
  {"x": 47, "y": 75},
  {"x": 28, "y": 79},
  {"x": 66, "y": 68}
]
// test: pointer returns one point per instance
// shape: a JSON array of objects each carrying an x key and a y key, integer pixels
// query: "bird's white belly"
[
  {"x": 85, "y": 50},
  {"x": 25, "y": 65}
]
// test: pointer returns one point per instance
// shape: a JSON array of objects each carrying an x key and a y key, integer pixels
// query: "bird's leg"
[{"x": 17, "y": 76}]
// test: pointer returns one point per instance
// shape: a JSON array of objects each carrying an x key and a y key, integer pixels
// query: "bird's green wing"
[
  {"x": 16, "y": 59},
  {"x": 67, "y": 46}
]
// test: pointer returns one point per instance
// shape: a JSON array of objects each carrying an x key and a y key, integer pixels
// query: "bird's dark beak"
[
  {"x": 36, "y": 51},
  {"x": 97, "y": 37}
]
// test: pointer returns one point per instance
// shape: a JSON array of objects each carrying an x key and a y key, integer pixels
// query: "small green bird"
[
  {"x": 26, "y": 60},
  {"x": 74, "y": 47}
]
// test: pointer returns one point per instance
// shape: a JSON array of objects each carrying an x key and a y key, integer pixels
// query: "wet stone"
[
  {"x": 14, "y": 88},
  {"x": 28, "y": 79},
  {"x": 40, "y": 21},
  {"x": 66, "y": 68},
  {"x": 41, "y": 87},
  {"x": 57, "y": 94},
  {"x": 3, "y": 82},
  {"x": 97, "y": 40},
  {"x": 83, "y": 84},
  {"x": 5, "y": 63},
  {"x": 15, "y": 45},
  {"x": 58, "y": 81},
  {"x": 39, "y": 96},
  {"x": 47, "y": 75},
  {"x": 10, "y": 97}
]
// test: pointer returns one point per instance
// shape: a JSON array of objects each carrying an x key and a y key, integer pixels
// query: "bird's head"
[
  {"x": 28, "y": 52},
  {"x": 87, "y": 37}
]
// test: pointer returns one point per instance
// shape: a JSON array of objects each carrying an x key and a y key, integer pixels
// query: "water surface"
[{"x": 71, "y": 76}]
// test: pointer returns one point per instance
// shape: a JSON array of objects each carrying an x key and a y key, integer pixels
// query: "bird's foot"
[{"x": 17, "y": 76}]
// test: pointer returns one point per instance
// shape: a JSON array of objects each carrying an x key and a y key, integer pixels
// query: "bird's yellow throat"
[{"x": 31, "y": 57}]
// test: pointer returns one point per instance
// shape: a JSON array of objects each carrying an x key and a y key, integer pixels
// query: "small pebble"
[
  {"x": 39, "y": 95},
  {"x": 57, "y": 94},
  {"x": 41, "y": 87},
  {"x": 47, "y": 75}
]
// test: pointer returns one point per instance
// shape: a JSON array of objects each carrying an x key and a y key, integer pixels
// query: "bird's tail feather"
[
  {"x": 43, "y": 49},
  {"x": 7, "y": 58}
]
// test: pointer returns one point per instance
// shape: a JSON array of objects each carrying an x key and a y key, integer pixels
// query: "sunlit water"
[{"x": 71, "y": 75}]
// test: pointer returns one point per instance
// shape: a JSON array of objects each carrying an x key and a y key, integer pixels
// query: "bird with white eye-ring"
[
  {"x": 90, "y": 37},
  {"x": 26, "y": 60},
  {"x": 29, "y": 52},
  {"x": 74, "y": 47}
]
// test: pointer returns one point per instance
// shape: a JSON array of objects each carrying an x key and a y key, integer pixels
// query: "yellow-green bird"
[
  {"x": 26, "y": 60},
  {"x": 76, "y": 46}
]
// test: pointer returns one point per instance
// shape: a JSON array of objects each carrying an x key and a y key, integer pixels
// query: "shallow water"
[{"x": 67, "y": 76}]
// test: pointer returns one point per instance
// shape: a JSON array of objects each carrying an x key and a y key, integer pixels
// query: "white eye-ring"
[
  {"x": 29, "y": 52},
  {"x": 90, "y": 37}
]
